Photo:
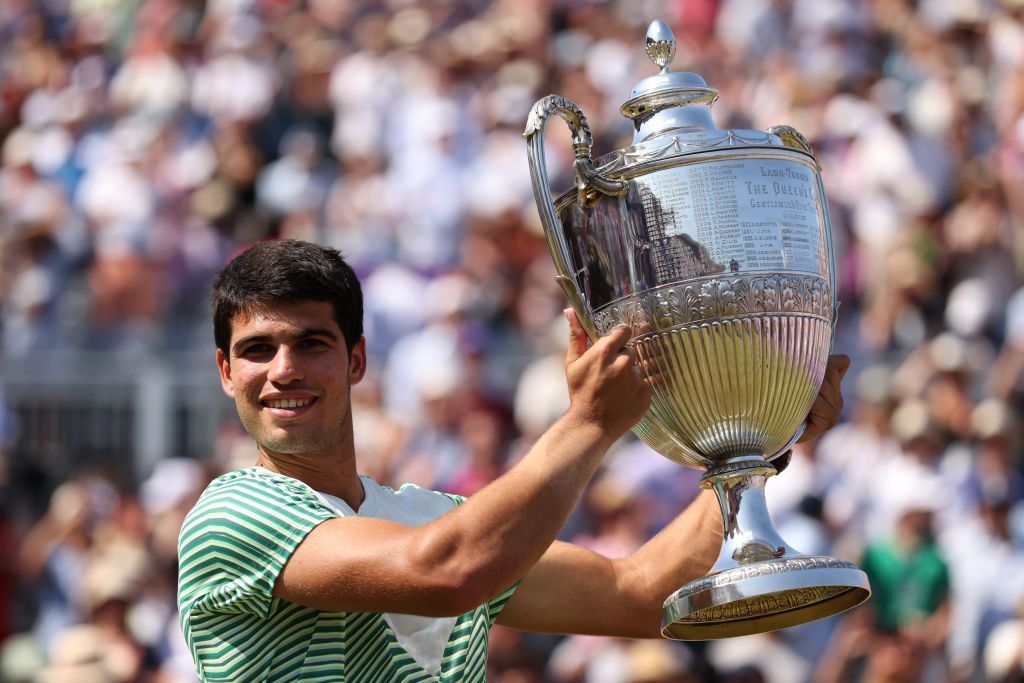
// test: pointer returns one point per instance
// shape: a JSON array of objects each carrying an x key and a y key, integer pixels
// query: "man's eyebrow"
[
  {"x": 304, "y": 333},
  {"x": 316, "y": 332}
]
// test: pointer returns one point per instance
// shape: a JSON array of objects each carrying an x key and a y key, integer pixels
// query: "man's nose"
[{"x": 285, "y": 367}]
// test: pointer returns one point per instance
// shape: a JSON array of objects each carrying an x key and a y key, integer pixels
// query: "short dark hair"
[{"x": 287, "y": 270}]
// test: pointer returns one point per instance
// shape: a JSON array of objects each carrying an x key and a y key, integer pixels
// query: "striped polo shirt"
[{"x": 233, "y": 545}]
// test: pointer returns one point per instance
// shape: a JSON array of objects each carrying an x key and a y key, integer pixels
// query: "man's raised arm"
[{"x": 467, "y": 556}]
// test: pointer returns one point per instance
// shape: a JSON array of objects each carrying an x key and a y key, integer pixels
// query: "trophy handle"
[
  {"x": 589, "y": 186},
  {"x": 793, "y": 138}
]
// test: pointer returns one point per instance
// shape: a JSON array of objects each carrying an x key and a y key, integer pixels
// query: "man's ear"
[
  {"x": 357, "y": 362},
  {"x": 224, "y": 366}
]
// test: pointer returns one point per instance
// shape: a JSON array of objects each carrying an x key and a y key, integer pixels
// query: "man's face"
[{"x": 290, "y": 372}]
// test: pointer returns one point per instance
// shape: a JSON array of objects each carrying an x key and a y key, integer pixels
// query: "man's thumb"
[{"x": 577, "y": 337}]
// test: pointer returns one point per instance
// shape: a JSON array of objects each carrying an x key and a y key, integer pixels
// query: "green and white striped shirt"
[{"x": 232, "y": 547}]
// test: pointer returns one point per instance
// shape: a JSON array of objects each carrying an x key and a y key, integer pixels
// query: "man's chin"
[
  {"x": 292, "y": 445},
  {"x": 290, "y": 439},
  {"x": 277, "y": 440}
]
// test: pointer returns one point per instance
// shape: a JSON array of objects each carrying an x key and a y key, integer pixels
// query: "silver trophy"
[{"x": 715, "y": 247}]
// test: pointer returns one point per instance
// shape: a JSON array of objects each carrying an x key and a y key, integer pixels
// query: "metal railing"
[{"x": 75, "y": 409}]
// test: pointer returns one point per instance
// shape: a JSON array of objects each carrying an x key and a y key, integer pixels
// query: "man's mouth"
[
  {"x": 289, "y": 402},
  {"x": 288, "y": 408}
]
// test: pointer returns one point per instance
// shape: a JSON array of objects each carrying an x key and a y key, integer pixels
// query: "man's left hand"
[{"x": 825, "y": 412}]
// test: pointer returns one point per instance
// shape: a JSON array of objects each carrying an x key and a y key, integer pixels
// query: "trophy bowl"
[{"x": 715, "y": 247}]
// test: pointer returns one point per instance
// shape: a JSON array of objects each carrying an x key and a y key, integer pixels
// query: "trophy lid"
[{"x": 671, "y": 99}]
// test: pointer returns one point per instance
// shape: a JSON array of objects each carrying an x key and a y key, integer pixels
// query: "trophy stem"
[
  {"x": 748, "y": 531},
  {"x": 759, "y": 583}
]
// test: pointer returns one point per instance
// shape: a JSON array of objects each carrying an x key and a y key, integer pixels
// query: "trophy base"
[{"x": 763, "y": 596}]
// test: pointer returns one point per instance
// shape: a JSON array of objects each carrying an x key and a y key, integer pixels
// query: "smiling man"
[{"x": 300, "y": 569}]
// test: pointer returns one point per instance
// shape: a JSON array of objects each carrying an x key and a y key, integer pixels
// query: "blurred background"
[{"x": 144, "y": 142}]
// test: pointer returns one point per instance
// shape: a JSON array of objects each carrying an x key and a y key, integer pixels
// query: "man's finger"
[
  {"x": 829, "y": 398},
  {"x": 827, "y": 409},
  {"x": 828, "y": 404},
  {"x": 577, "y": 337},
  {"x": 615, "y": 341},
  {"x": 631, "y": 352},
  {"x": 816, "y": 424},
  {"x": 831, "y": 389},
  {"x": 837, "y": 365},
  {"x": 820, "y": 420}
]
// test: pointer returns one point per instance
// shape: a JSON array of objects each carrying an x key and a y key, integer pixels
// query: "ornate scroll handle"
[
  {"x": 588, "y": 181},
  {"x": 793, "y": 138}
]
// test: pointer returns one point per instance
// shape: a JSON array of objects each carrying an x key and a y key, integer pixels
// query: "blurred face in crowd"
[
  {"x": 915, "y": 528},
  {"x": 290, "y": 373}
]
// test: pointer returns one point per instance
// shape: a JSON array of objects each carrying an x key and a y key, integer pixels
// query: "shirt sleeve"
[
  {"x": 496, "y": 604},
  {"x": 237, "y": 539}
]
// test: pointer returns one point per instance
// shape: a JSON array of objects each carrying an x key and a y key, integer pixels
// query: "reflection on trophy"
[{"x": 715, "y": 247}]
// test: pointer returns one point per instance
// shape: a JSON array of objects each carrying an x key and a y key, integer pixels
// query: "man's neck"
[{"x": 336, "y": 476}]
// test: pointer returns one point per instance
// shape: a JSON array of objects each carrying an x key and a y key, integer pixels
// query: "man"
[{"x": 298, "y": 569}]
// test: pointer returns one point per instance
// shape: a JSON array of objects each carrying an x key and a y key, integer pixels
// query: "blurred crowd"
[{"x": 143, "y": 142}]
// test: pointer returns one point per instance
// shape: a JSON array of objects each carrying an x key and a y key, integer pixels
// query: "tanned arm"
[
  {"x": 575, "y": 590},
  {"x": 465, "y": 557}
]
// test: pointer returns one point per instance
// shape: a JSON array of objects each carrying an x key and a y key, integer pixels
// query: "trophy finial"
[
  {"x": 661, "y": 44},
  {"x": 669, "y": 99}
]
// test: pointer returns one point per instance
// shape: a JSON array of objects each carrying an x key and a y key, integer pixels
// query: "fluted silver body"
[{"x": 731, "y": 388}]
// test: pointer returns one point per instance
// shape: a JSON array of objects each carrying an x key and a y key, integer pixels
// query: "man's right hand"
[{"x": 606, "y": 387}]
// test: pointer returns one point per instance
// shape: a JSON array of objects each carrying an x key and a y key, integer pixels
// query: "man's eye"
[
  {"x": 257, "y": 350},
  {"x": 311, "y": 343}
]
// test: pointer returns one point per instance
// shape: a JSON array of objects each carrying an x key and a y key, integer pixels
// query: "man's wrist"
[{"x": 585, "y": 426}]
